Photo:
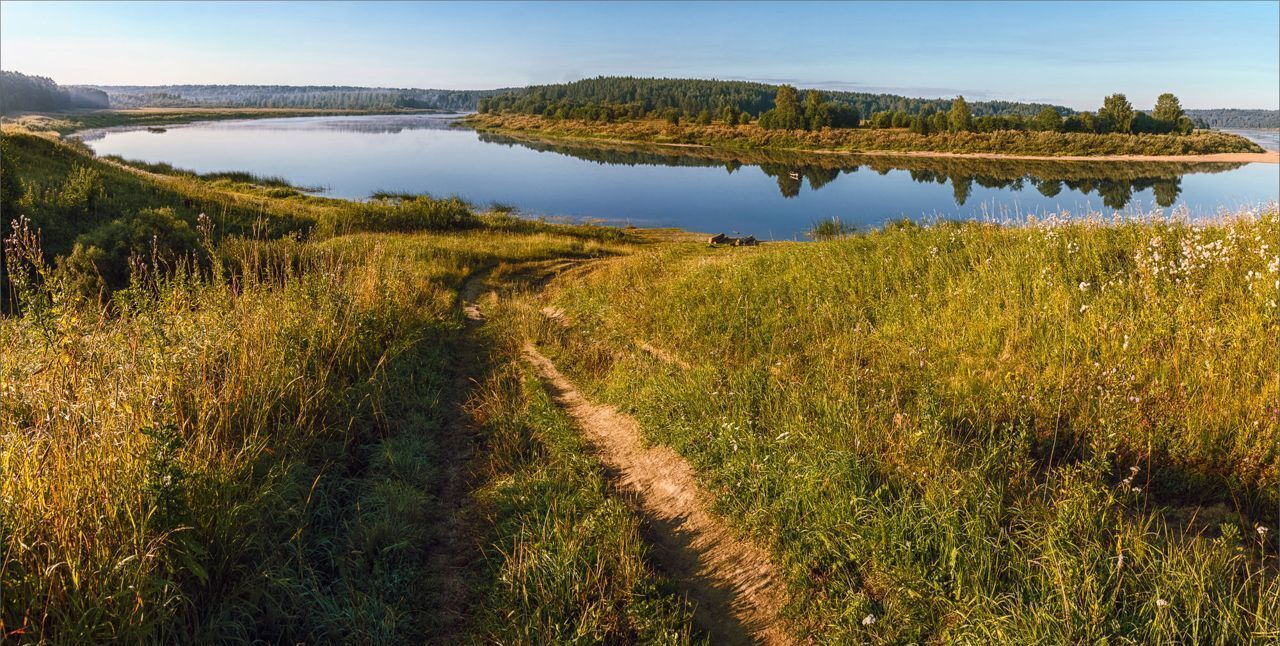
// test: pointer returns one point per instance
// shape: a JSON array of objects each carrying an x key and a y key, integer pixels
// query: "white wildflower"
[
  {"x": 1161, "y": 603},
  {"x": 868, "y": 620}
]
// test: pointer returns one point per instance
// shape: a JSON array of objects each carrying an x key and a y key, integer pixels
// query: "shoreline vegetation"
[
  {"x": 234, "y": 412},
  {"x": 747, "y": 115},
  {"x": 1036, "y": 146}
]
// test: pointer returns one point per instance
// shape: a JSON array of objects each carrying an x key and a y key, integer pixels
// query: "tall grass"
[
  {"x": 568, "y": 564},
  {"x": 238, "y": 452},
  {"x": 1058, "y": 432}
]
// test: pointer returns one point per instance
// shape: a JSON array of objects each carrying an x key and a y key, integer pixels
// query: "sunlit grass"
[
  {"x": 186, "y": 463},
  {"x": 1054, "y": 432}
]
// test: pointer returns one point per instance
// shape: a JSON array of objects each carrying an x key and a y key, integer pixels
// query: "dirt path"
[
  {"x": 453, "y": 552},
  {"x": 733, "y": 583}
]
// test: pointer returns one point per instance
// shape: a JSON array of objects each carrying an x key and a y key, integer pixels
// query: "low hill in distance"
[
  {"x": 23, "y": 93},
  {"x": 292, "y": 96},
  {"x": 1231, "y": 118}
]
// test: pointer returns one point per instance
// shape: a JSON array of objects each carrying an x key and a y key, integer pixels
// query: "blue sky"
[{"x": 1217, "y": 54}]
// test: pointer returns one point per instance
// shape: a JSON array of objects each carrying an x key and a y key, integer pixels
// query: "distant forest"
[
  {"x": 1228, "y": 118},
  {"x": 292, "y": 96},
  {"x": 689, "y": 98},
  {"x": 619, "y": 97},
  {"x": 782, "y": 107},
  {"x": 22, "y": 93}
]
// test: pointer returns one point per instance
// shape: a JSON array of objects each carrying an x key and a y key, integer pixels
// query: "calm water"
[{"x": 769, "y": 196}]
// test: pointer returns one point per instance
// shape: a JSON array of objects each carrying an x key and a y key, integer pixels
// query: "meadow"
[
  {"x": 234, "y": 411},
  {"x": 1058, "y": 432},
  {"x": 262, "y": 438}
]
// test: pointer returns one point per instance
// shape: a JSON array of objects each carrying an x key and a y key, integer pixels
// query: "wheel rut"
[{"x": 736, "y": 589}]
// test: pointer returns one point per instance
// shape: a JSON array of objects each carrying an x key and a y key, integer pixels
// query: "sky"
[{"x": 1211, "y": 55}]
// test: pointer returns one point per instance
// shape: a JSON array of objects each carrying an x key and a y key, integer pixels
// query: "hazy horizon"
[{"x": 1212, "y": 55}]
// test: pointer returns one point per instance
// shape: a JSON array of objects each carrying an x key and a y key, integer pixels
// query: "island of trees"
[
  {"x": 703, "y": 101},
  {"x": 737, "y": 103},
  {"x": 733, "y": 114}
]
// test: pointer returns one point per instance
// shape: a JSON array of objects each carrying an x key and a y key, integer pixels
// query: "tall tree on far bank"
[
  {"x": 1048, "y": 120},
  {"x": 960, "y": 118},
  {"x": 1168, "y": 108},
  {"x": 1170, "y": 116},
  {"x": 1117, "y": 113},
  {"x": 785, "y": 114},
  {"x": 813, "y": 114}
]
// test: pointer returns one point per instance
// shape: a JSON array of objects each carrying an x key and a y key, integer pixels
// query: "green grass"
[
  {"x": 1061, "y": 432},
  {"x": 215, "y": 460},
  {"x": 568, "y": 564},
  {"x": 1058, "y": 432},
  {"x": 247, "y": 439}
]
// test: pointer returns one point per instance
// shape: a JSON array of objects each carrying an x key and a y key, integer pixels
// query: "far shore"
[
  {"x": 78, "y": 122},
  {"x": 1267, "y": 157}
]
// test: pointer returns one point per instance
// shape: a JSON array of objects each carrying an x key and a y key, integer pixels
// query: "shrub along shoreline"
[{"x": 1202, "y": 146}]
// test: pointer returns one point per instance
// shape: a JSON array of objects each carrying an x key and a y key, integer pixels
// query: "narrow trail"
[
  {"x": 736, "y": 589},
  {"x": 453, "y": 552}
]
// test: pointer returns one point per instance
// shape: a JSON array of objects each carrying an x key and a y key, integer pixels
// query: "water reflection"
[
  {"x": 364, "y": 124},
  {"x": 1114, "y": 183}
]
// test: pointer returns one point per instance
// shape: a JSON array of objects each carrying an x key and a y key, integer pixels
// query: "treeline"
[
  {"x": 616, "y": 98},
  {"x": 1117, "y": 115},
  {"x": 22, "y": 93},
  {"x": 293, "y": 96},
  {"x": 1228, "y": 118}
]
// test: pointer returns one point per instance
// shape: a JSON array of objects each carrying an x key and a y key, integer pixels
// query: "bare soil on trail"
[{"x": 736, "y": 588}]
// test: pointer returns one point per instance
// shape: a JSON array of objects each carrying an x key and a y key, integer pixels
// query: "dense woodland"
[
  {"x": 608, "y": 99},
  {"x": 23, "y": 93},
  {"x": 613, "y": 98},
  {"x": 1229, "y": 118}
]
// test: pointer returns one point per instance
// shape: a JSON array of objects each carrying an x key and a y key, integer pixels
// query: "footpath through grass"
[
  {"x": 1059, "y": 432},
  {"x": 254, "y": 426},
  {"x": 272, "y": 423}
]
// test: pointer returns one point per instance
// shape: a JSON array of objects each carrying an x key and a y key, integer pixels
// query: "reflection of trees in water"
[
  {"x": 1114, "y": 182},
  {"x": 790, "y": 178}
]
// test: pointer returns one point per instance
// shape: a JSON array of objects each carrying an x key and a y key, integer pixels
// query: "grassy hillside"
[
  {"x": 261, "y": 438},
  {"x": 1062, "y": 433},
  {"x": 276, "y": 422},
  {"x": 752, "y": 136}
]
